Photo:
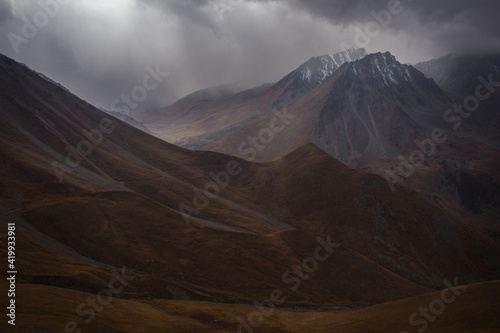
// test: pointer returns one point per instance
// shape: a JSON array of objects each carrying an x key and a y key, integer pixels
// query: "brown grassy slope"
[
  {"x": 132, "y": 230},
  {"x": 124, "y": 229},
  {"x": 49, "y": 309},
  {"x": 401, "y": 230}
]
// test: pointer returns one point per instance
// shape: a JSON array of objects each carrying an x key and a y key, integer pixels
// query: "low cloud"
[{"x": 100, "y": 50}]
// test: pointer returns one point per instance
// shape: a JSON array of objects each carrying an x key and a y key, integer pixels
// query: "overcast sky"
[{"x": 100, "y": 49}]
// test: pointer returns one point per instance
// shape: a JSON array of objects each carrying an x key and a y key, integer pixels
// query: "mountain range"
[
  {"x": 368, "y": 111},
  {"x": 294, "y": 203}
]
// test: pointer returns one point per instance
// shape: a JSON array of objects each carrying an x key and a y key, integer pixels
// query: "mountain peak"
[
  {"x": 312, "y": 73},
  {"x": 318, "y": 69},
  {"x": 384, "y": 67}
]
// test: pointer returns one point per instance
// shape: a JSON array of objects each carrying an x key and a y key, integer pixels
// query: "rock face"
[{"x": 376, "y": 107}]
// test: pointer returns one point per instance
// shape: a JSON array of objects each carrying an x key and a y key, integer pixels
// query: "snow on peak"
[
  {"x": 306, "y": 74},
  {"x": 318, "y": 69},
  {"x": 386, "y": 67}
]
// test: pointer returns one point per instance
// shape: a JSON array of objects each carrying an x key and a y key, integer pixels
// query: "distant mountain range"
[
  {"x": 366, "y": 110},
  {"x": 336, "y": 104}
]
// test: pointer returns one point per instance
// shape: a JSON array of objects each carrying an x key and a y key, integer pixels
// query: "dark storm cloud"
[
  {"x": 191, "y": 10},
  {"x": 481, "y": 14},
  {"x": 340, "y": 11},
  {"x": 5, "y": 10},
  {"x": 102, "y": 49},
  {"x": 455, "y": 25}
]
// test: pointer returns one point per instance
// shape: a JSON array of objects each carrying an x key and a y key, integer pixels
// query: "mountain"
[
  {"x": 313, "y": 73},
  {"x": 192, "y": 120},
  {"x": 367, "y": 108},
  {"x": 349, "y": 104},
  {"x": 94, "y": 192},
  {"x": 83, "y": 189},
  {"x": 373, "y": 113},
  {"x": 458, "y": 74},
  {"x": 373, "y": 107},
  {"x": 398, "y": 141},
  {"x": 474, "y": 80},
  {"x": 96, "y": 202}
]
